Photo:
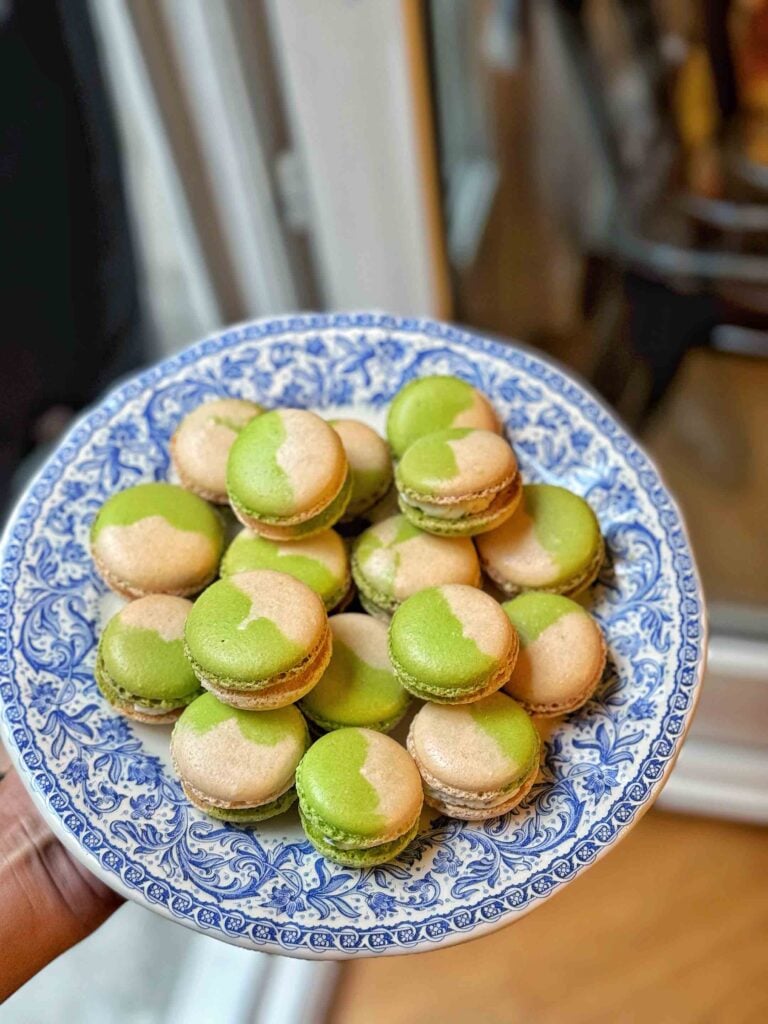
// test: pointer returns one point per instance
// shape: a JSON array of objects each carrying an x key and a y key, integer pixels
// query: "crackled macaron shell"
[
  {"x": 258, "y": 639},
  {"x": 476, "y": 761},
  {"x": 436, "y": 403},
  {"x": 200, "y": 447},
  {"x": 370, "y": 463},
  {"x": 452, "y": 644},
  {"x": 551, "y": 543},
  {"x": 320, "y": 561},
  {"x": 156, "y": 539},
  {"x": 360, "y": 797},
  {"x": 394, "y": 559},
  {"x": 459, "y": 481},
  {"x": 359, "y": 687},
  {"x": 238, "y": 765},
  {"x": 140, "y": 665},
  {"x": 562, "y": 653},
  {"x": 287, "y": 475}
]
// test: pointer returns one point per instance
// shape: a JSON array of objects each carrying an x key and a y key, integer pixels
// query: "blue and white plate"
[{"x": 105, "y": 786}]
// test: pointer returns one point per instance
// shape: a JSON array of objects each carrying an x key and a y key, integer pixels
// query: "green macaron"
[
  {"x": 320, "y": 561},
  {"x": 156, "y": 539},
  {"x": 360, "y": 797},
  {"x": 287, "y": 475},
  {"x": 140, "y": 664},
  {"x": 258, "y": 640},
  {"x": 359, "y": 687},
  {"x": 458, "y": 481},
  {"x": 434, "y": 403},
  {"x": 370, "y": 464},
  {"x": 236, "y": 765},
  {"x": 562, "y": 653},
  {"x": 452, "y": 644},
  {"x": 476, "y": 761},
  {"x": 394, "y": 559},
  {"x": 551, "y": 543}
]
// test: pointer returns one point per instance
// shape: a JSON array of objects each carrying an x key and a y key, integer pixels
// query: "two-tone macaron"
[
  {"x": 394, "y": 559},
  {"x": 359, "y": 687},
  {"x": 360, "y": 797},
  {"x": 320, "y": 561},
  {"x": 236, "y": 765},
  {"x": 140, "y": 664},
  {"x": 156, "y": 539},
  {"x": 458, "y": 481},
  {"x": 551, "y": 543},
  {"x": 202, "y": 441},
  {"x": 452, "y": 644},
  {"x": 370, "y": 464},
  {"x": 287, "y": 475},
  {"x": 435, "y": 403},
  {"x": 476, "y": 761},
  {"x": 258, "y": 640},
  {"x": 562, "y": 653}
]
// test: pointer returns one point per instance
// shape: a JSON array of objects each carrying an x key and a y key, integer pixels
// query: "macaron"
[
  {"x": 140, "y": 664},
  {"x": 320, "y": 561},
  {"x": 393, "y": 559},
  {"x": 359, "y": 687},
  {"x": 452, "y": 644},
  {"x": 156, "y": 539},
  {"x": 238, "y": 765},
  {"x": 370, "y": 463},
  {"x": 458, "y": 481},
  {"x": 562, "y": 653},
  {"x": 287, "y": 475},
  {"x": 477, "y": 761},
  {"x": 551, "y": 543},
  {"x": 360, "y": 797},
  {"x": 435, "y": 403},
  {"x": 200, "y": 446},
  {"x": 258, "y": 639}
]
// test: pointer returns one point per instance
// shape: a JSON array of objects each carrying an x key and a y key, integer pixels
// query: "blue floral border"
[{"x": 348, "y": 940}]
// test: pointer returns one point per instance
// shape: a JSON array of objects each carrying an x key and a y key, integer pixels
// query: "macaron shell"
[
  {"x": 286, "y": 464},
  {"x": 202, "y": 442},
  {"x": 320, "y": 561},
  {"x": 238, "y": 758},
  {"x": 370, "y": 464},
  {"x": 478, "y": 748},
  {"x": 395, "y": 559},
  {"x": 452, "y": 464},
  {"x": 433, "y": 403},
  {"x": 361, "y": 785}
]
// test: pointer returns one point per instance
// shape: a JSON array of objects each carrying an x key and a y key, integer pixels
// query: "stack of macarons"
[{"x": 353, "y": 590}]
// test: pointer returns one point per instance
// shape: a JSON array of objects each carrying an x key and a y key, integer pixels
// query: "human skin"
[{"x": 48, "y": 901}]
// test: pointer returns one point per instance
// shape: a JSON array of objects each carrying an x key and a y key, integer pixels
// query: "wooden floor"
[{"x": 670, "y": 928}]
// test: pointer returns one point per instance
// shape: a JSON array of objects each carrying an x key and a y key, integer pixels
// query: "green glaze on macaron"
[
  {"x": 320, "y": 561},
  {"x": 238, "y": 765},
  {"x": 202, "y": 441},
  {"x": 287, "y": 474},
  {"x": 551, "y": 543},
  {"x": 156, "y": 539},
  {"x": 255, "y": 631},
  {"x": 562, "y": 653},
  {"x": 434, "y": 403},
  {"x": 394, "y": 559},
  {"x": 458, "y": 481},
  {"x": 452, "y": 644},
  {"x": 140, "y": 665},
  {"x": 359, "y": 687},
  {"x": 370, "y": 465},
  {"x": 359, "y": 796},
  {"x": 478, "y": 760}
]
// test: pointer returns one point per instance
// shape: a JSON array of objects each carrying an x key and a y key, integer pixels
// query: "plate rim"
[{"x": 452, "y": 334}]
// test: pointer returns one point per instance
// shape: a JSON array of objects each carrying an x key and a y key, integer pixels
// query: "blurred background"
[{"x": 587, "y": 176}]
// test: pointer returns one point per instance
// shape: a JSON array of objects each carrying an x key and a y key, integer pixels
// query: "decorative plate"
[{"x": 105, "y": 785}]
